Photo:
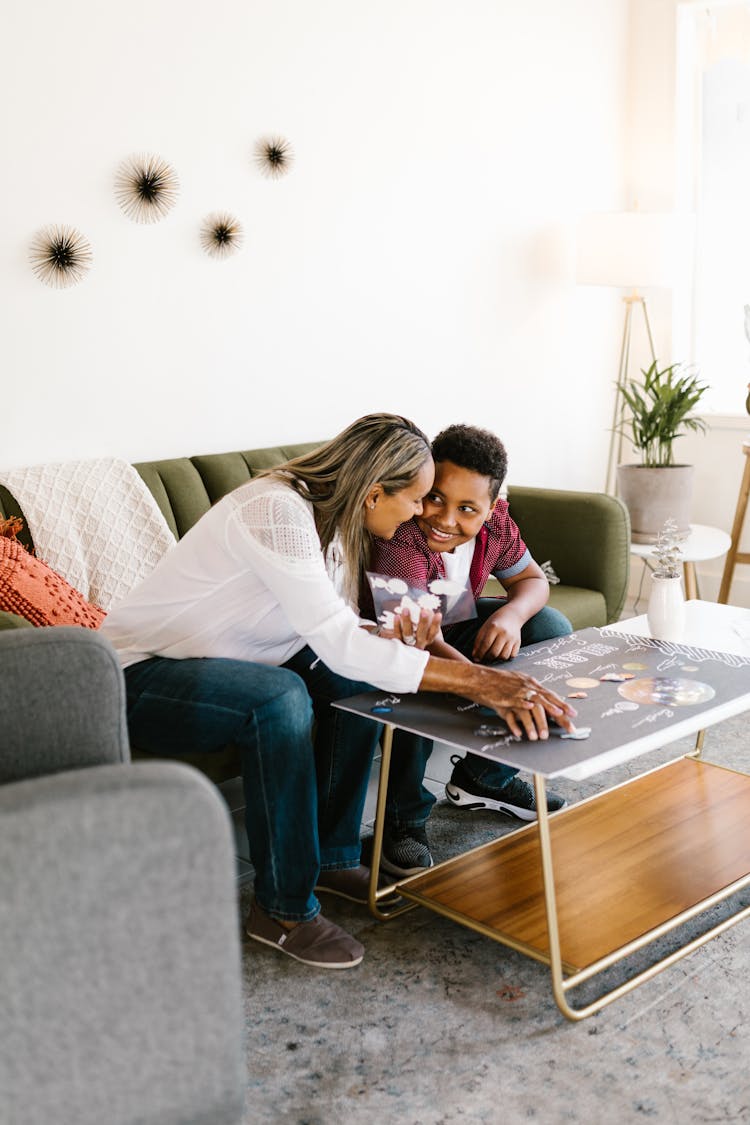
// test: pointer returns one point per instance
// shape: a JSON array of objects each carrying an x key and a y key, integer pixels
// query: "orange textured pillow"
[{"x": 30, "y": 589}]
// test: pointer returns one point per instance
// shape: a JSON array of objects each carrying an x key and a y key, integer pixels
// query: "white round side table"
[{"x": 703, "y": 542}]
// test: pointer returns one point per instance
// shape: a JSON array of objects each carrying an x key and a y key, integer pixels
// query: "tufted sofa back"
[{"x": 186, "y": 487}]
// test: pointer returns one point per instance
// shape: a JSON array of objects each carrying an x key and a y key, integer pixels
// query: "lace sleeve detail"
[{"x": 281, "y": 524}]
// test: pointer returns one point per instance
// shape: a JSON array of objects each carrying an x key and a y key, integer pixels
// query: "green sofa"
[{"x": 584, "y": 535}]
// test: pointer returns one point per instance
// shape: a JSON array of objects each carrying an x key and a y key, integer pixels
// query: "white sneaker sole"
[
  {"x": 404, "y": 872},
  {"x": 464, "y": 800}
]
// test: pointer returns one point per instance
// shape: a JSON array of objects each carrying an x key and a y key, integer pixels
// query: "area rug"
[{"x": 440, "y": 1025}]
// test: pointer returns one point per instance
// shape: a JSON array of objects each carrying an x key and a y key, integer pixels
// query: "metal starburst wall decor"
[
  {"x": 146, "y": 187},
  {"x": 221, "y": 234},
  {"x": 60, "y": 256},
  {"x": 274, "y": 156}
]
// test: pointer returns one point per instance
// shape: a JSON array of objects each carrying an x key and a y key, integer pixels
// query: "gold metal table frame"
[{"x": 672, "y": 842}]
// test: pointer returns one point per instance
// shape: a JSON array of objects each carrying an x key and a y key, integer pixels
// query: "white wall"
[{"x": 417, "y": 259}]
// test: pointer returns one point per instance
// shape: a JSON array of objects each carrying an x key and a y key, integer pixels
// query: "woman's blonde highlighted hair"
[{"x": 384, "y": 449}]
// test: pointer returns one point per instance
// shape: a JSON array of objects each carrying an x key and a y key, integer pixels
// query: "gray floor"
[{"x": 440, "y": 1025}]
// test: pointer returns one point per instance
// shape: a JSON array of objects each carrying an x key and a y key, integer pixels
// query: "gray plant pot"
[{"x": 653, "y": 496}]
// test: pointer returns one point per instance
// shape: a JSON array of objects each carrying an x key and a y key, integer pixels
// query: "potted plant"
[{"x": 660, "y": 409}]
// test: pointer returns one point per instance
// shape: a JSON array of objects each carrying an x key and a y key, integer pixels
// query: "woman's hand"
[
  {"x": 532, "y": 724},
  {"x": 525, "y": 705},
  {"x": 520, "y": 699},
  {"x": 420, "y": 635}
]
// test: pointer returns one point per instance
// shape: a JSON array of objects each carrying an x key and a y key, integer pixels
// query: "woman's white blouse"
[{"x": 249, "y": 581}]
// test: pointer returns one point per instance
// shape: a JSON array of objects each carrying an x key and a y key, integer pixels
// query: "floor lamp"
[
  {"x": 618, "y": 413},
  {"x": 628, "y": 250}
]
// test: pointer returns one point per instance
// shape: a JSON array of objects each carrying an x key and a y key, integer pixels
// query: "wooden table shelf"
[{"x": 626, "y": 863}]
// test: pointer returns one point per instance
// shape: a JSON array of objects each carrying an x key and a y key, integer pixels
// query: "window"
[{"x": 713, "y": 129}]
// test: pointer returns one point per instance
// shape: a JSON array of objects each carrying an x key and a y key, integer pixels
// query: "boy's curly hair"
[{"x": 475, "y": 449}]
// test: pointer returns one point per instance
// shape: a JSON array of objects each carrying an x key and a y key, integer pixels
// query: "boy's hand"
[{"x": 499, "y": 638}]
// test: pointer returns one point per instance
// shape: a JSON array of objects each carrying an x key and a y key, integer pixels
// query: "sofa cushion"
[
  {"x": 13, "y": 621},
  {"x": 30, "y": 589},
  {"x": 582, "y": 607}
]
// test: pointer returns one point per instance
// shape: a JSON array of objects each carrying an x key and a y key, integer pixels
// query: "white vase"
[{"x": 666, "y": 609}]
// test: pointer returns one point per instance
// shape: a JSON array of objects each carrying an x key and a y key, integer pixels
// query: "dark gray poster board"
[{"x": 628, "y": 689}]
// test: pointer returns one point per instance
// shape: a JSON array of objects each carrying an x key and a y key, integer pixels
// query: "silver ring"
[
  {"x": 529, "y": 694},
  {"x": 410, "y": 641}
]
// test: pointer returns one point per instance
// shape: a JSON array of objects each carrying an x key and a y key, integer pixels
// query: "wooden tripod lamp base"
[{"x": 734, "y": 555}]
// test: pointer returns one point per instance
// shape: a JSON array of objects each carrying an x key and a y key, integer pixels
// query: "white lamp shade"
[{"x": 631, "y": 249}]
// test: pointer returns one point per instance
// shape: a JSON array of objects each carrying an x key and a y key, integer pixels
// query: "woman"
[{"x": 249, "y": 613}]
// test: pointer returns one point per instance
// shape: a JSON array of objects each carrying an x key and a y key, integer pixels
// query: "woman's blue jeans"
[
  {"x": 180, "y": 707},
  {"x": 344, "y": 749},
  {"x": 409, "y": 803}
]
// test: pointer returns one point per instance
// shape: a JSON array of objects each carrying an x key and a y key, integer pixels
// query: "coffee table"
[{"x": 587, "y": 887}]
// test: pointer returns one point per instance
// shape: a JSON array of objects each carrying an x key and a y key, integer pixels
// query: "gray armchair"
[
  {"x": 119, "y": 973},
  {"x": 62, "y": 702}
]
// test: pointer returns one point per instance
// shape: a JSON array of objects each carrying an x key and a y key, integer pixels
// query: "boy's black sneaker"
[
  {"x": 515, "y": 797},
  {"x": 405, "y": 851}
]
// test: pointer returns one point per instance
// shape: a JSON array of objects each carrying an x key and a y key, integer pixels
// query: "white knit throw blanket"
[{"x": 94, "y": 522}]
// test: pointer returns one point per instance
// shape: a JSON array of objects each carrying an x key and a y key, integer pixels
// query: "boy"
[{"x": 465, "y": 533}]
